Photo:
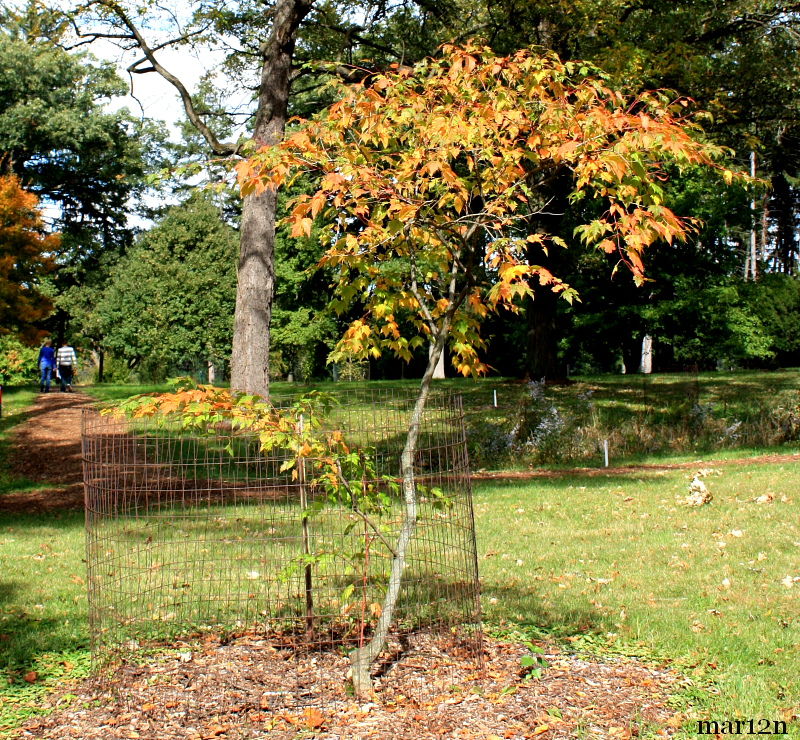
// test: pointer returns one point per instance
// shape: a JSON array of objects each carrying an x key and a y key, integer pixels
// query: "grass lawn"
[
  {"x": 15, "y": 401},
  {"x": 642, "y": 418},
  {"x": 43, "y": 627},
  {"x": 605, "y": 564},
  {"x": 617, "y": 563}
]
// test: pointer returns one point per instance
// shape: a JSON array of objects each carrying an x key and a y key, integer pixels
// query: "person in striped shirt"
[{"x": 66, "y": 359}]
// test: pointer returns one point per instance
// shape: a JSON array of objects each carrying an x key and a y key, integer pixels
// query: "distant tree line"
[{"x": 160, "y": 299}]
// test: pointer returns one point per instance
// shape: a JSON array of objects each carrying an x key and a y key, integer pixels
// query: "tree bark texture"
[{"x": 256, "y": 271}]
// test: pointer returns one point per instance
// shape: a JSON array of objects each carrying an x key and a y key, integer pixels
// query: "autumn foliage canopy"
[
  {"x": 429, "y": 180},
  {"x": 25, "y": 257}
]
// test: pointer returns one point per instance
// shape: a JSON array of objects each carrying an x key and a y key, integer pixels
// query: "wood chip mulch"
[{"x": 249, "y": 689}]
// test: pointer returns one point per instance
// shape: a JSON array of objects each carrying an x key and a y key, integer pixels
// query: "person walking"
[
  {"x": 47, "y": 364},
  {"x": 66, "y": 359}
]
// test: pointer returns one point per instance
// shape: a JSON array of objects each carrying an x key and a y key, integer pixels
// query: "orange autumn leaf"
[{"x": 312, "y": 718}]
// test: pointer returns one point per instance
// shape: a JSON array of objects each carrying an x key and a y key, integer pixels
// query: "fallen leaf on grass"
[{"x": 31, "y": 677}]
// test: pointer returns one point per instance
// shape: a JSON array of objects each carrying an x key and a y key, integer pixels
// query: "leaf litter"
[{"x": 238, "y": 689}]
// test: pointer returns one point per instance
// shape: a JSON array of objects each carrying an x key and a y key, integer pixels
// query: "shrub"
[{"x": 17, "y": 362}]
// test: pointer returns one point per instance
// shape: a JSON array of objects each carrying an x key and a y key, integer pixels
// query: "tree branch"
[{"x": 218, "y": 147}]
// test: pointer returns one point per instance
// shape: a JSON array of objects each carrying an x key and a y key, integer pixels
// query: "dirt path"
[{"x": 46, "y": 448}]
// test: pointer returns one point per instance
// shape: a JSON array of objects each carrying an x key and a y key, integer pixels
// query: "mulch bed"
[{"x": 249, "y": 689}]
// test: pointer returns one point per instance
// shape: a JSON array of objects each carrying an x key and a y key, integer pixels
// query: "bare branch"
[{"x": 218, "y": 147}]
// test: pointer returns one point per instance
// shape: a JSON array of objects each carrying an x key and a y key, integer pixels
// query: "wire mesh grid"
[{"x": 190, "y": 534}]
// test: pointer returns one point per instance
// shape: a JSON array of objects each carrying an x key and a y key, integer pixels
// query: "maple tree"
[
  {"x": 427, "y": 177},
  {"x": 26, "y": 255}
]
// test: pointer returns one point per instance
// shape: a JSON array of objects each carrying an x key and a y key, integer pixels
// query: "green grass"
[
  {"x": 15, "y": 401},
  {"x": 618, "y": 560},
  {"x": 604, "y": 563},
  {"x": 42, "y": 590}
]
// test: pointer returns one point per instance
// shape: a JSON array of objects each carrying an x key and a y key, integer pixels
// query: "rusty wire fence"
[{"x": 191, "y": 534}]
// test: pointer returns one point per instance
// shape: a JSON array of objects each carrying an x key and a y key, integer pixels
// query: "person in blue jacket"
[{"x": 47, "y": 364}]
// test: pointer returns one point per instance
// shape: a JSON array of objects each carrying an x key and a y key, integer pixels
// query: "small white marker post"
[
  {"x": 494, "y": 394},
  {"x": 605, "y": 452}
]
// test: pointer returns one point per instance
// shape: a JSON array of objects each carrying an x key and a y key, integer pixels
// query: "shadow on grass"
[
  {"x": 26, "y": 638},
  {"x": 29, "y": 630},
  {"x": 527, "y": 608}
]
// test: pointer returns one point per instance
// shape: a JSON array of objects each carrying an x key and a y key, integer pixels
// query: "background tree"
[
  {"x": 85, "y": 164},
  {"x": 183, "y": 271},
  {"x": 26, "y": 257},
  {"x": 439, "y": 168},
  {"x": 266, "y": 36},
  {"x": 738, "y": 60}
]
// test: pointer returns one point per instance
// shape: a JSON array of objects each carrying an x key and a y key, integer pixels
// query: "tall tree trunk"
[
  {"x": 542, "y": 337},
  {"x": 541, "y": 311},
  {"x": 255, "y": 288},
  {"x": 256, "y": 273}
]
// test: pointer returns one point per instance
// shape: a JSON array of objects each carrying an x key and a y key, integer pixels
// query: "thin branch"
[
  {"x": 360, "y": 513},
  {"x": 423, "y": 306},
  {"x": 351, "y": 33}
]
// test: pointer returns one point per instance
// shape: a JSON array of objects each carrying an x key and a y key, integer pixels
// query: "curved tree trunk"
[{"x": 362, "y": 658}]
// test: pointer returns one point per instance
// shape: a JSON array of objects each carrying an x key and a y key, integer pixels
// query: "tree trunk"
[
  {"x": 542, "y": 350},
  {"x": 256, "y": 273},
  {"x": 438, "y": 371},
  {"x": 541, "y": 311},
  {"x": 362, "y": 658},
  {"x": 255, "y": 288}
]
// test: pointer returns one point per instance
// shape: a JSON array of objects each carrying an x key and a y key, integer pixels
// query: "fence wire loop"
[{"x": 190, "y": 533}]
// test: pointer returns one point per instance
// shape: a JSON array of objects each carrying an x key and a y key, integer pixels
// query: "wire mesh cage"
[{"x": 206, "y": 533}]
